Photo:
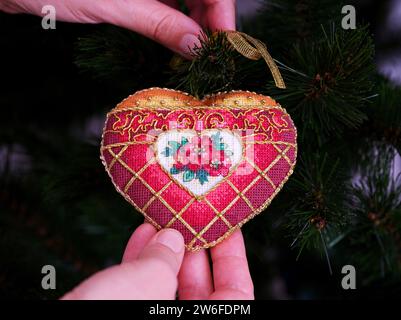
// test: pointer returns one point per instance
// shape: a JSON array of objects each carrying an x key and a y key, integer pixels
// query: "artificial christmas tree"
[{"x": 341, "y": 206}]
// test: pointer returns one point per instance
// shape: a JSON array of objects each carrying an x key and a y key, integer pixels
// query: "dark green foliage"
[
  {"x": 374, "y": 233},
  {"x": 329, "y": 82},
  {"x": 321, "y": 208},
  {"x": 109, "y": 54}
]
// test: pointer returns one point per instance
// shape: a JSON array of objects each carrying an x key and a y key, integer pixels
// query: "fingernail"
[
  {"x": 171, "y": 239},
  {"x": 188, "y": 41}
]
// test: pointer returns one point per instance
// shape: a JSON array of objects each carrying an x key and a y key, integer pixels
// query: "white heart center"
[{"x": 198, "y": 161}]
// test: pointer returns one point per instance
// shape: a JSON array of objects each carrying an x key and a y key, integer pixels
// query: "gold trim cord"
[{"x": 255, "y": 49}]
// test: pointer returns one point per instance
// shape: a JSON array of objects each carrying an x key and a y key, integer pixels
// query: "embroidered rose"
[{"x": 199, "y": 158}]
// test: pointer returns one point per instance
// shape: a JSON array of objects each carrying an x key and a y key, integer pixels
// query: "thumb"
[
  {"x": 165, "y": 248},
  {"x": 156, "y": 21},
  {"x": 158, "y": 264}
]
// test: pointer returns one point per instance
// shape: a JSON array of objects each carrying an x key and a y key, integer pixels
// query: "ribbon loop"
[{"x": 255, "y": 49}]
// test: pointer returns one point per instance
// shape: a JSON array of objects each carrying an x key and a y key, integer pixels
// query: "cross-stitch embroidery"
[{"x": 199, "y": 157}]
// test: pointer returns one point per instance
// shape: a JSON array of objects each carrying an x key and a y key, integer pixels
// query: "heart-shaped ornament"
[{"x": 201, "y": 167}]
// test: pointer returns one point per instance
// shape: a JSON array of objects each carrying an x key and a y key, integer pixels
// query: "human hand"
[
  {"x": 158, "y": 20},
  {"x": 152, "y": 261}
]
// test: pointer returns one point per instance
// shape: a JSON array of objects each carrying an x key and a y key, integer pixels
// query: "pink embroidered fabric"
[{"x": 201, "y": 167}]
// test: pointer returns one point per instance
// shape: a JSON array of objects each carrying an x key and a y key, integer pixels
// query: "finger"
[
  {"x": 138, "y": 240},
  {"x": 157, "y": 21},
  {"x": 195, "y": 278},
  {"x": 167, "y": 247},
  {"x": 232, "y": 279},
  {"x": 220, "y": 14},
  {"x": 152, "y": 276}
]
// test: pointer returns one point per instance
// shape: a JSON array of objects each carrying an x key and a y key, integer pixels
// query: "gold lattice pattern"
[{"x": 136, "y": 175}]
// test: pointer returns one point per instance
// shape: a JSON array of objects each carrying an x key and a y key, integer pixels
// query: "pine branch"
[
  {"x": 328, "y": 79},
  {"x": 121, "y": 57},
  {"x": 374, "y": 237},
  {"x": 215, "y": 67},
  {"x": 329, "y": 82},
  {"x": 319, "y": 209}
]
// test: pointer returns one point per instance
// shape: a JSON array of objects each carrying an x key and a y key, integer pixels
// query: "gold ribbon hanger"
[{"x": 254, "y": 49}]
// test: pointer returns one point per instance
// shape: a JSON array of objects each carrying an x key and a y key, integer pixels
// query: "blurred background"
[{"x": 342, "y": 206}]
